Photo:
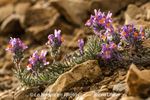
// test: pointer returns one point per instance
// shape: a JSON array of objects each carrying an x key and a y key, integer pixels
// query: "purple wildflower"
[
  {"x": 55, "y": 39},
  {"x": 37, "y": 61},
  {"x": 35, "y": 57},
  {"x": 126, "y": 31},
  {"x": 107, "y": 36},
  {"x": 16, "y": 46},
  {"x": 100, "y": 21},
  {"x": 120, "y": 47},
  {"x": 130, "y": 36},
  {"x": 57, "y": 35},
  {"x": 81, "y": 45},
  {"x": 142, "y": 33},
  {"x": 130, "y": 32},
  {"x": 108, "y": 50},
  {"x": 54, "y": 43},
  {"x": 90, "y": 21},
  {"x": 112, "y": 45}
]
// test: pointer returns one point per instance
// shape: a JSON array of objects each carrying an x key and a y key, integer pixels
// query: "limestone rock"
[
  {"x": 144, "y": 24},
  {"x": 146, "y": 7},
  {"x": 115, "y": 6},
  {"x": 91, "y": 95},
  {"x": 131, "y": 15},
  {"x": 97, "y": 95},
  {"x": 39, "y": 21},
  {"x": 5, "y": 2},
  {"x": 139, "y": 17},
  {"x": 104, "y": 88},
  {"x": 119, "y": 87},
  {"x": 39, "y": 16},
  {"x": 74, "y": 10},
  {"x": 138, "y": 81},
  {"x": 6, "y": 97},
  {"x": 21, "y": 8},
  {"x": 131, "y": 98},
  {"x": 115, "y": 97},
  {"x": 12, "y": 25},
  {"x": 6, "y": 11},
  {"x": 20, "y": 93},
  {"x": 27, "y": 94},
  {"x": 89, "y": 69}
]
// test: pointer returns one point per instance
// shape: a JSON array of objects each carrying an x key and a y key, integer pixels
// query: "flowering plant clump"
[
  {"x": 100, "y": 22},
  {"x": 17, "y": 47},
  {"x": 37, "y": 62},
  {"x": 107, "y": 46},
  {"x": 108, "y": 50},
  {"x": 130, "y": 36},
  {"x": 54, "y": 43}
]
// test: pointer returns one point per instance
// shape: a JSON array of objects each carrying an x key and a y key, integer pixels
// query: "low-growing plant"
[{"x": 108, "y": 46}]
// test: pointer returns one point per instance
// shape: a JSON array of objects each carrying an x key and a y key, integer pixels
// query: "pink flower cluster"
[
  {"x": 54, "y": 40},
  {"x": 15, "y": 45},
  {"x": 37, "y": 61},
  {"x": 100, "y": 22},
  {"x": 130, "y": 36},
  {"x": 108, "y": 50}
]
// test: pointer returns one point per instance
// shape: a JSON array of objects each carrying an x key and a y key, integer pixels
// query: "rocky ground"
[{"x": 33, "y": 20}]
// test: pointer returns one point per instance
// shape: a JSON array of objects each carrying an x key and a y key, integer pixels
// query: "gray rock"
[{"x": 119, "y": 87}]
